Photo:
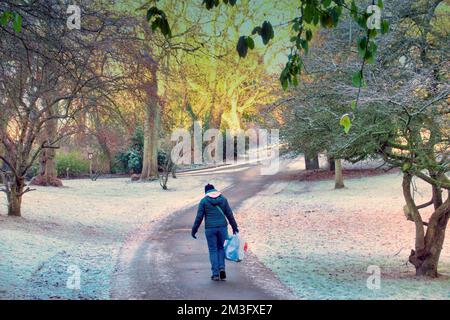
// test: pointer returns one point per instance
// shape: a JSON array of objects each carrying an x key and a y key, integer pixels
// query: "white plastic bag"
[{"x": 235, "y": 248}]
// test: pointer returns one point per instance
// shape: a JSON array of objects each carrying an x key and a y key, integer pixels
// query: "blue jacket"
[{"x": 213, "y": 217}]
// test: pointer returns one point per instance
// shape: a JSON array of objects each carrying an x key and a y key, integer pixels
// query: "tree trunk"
[
  {"x": 151, "y": 129},
  {"x": 2, "y": 165},
  {"x": 231, "y": 119},
  {"x": 427, "y": 263},
  {"x": 149, "y": 156},
  {"x": 155, "y": 139},
  {"x": 100, "y": 134},
  {"x": 146, "y": 154},
  {"x": 426, "y": 260},
  {"x": 107, "y": 168},
  {"x": 3, "y": 124},
  {"x": 110, "y": 166},
  {"x": 14, "y": 197},
  {"x": 47, "y": 175},
  {"x": 338, "y": 176},
  {"x": 331, "y": 164},
  {"x": 428, "y": 246},
  {"x": 311, "y": 162}
]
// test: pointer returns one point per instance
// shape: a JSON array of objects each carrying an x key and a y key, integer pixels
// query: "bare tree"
[{"x": 47, "y": 74}]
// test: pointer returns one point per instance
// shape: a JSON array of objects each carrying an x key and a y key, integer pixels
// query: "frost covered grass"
[
  {"x": 320, "y": 241},
  {"x": 84, "y": 224}
]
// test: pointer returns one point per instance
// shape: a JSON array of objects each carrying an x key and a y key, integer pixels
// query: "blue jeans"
[{"x": 216, "y": 237}]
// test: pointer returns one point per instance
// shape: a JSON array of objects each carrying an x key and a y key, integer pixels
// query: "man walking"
[{"x": 215, "y": 209}]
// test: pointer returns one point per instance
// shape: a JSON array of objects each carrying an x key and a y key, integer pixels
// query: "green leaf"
[
  {"x": 242, "y": 46},
  {"x": 380, "y": 4},
  {"x": 370, "y": 54},
  {"x": 257, "y": 30},
  {"x": 209, "y": 4},
  {"x": 346, "y": 122},
  {"x": 5, "y": 18},
  {"x": 372, "y": 47},
  {"x": 353, "y": 9},
  {"x": 266, "y": 32},
  {"x": 155, "y": 24},
  {"x": 304, "y": 45},
  {"x": 357, "y": 79},
  {"x": 165, "y": 28},
  {"x": 384, "y": 26},
  {"x": 316, "y": 19},
  {"x": 369, "y": 57},
  {"x": 160, "y": 21},
  {"x": 284, "y": 77},
  {"x": 17, "y": 22},
  {"x": 362, "y": 20},
  {"x": 406, "y": 166},
  {"x": 353, "y": 105},
  {"x": 326, "y": 20},
  {"x": 250, "y": 43},
  {"x": 284, "y": 84},
  {"x": 326, "y": 3},
  {"x": 308, "y": 35},
  {"x": 362, "y": 46},
  {"x": 335, "y": 14},
  {"x": 308, "y": 13},
  {"x": 153, "y": 11}
]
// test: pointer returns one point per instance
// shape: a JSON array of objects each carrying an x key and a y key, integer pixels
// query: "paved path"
[{"x": 169, "y": 264}]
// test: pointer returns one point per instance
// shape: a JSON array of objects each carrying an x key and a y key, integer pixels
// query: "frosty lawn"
[
  {"x": 83, "y": 224},
  {"x": 320, "y": 241}
]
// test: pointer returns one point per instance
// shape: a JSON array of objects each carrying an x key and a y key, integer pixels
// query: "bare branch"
[
  {"x": 28, "y": 189},
  {"x": 426, "y": 204},
  {"x": 432, "y": 181}
]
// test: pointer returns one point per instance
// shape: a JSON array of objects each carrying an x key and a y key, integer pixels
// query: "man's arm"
[
  {"x": 198, "y": 218},
  {"x": 230, "y": 217}
]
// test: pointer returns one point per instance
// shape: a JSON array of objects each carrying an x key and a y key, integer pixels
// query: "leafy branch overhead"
[
  {"x": 313, "y": 13},
  {"x": 246, "y": 42}
]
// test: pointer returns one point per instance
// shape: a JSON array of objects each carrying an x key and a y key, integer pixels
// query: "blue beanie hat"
[{"x": 209, "y": 187}]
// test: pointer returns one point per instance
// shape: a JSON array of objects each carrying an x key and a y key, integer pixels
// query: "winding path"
[{"x": 169, "y": 264}]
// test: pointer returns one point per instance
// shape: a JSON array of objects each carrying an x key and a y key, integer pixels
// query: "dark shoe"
[
  {"x": 223, "y": 275},
  {"x": 215, "y": 278}
]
